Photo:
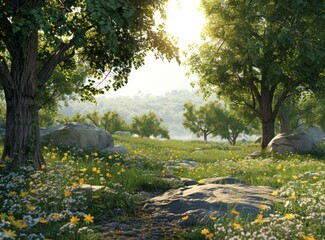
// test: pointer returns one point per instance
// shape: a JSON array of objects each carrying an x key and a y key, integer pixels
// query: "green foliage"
[
  {"x": 213, "y": 119},
  {"x": 149, "y": 124},
  {"x": 258, "y": 53}
]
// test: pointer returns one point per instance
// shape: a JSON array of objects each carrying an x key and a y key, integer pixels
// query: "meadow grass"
[{"x": 52, "y": 204}]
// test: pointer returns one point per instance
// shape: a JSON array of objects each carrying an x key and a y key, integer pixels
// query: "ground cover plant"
[{"x": 53, "y": 203}]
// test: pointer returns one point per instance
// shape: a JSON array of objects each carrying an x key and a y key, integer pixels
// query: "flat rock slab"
[{"x": 199, "y": 202}]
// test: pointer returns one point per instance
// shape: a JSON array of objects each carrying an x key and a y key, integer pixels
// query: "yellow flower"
[
  {"x": 83, "y": 169},
  {"x": 88, "y": 218},
  {"x": 53, "y": 157},
  {"x": 12, "y": 193},
  {"x": 109, "y": 175},
  {"x": 19, "y": 224},
  {"x": 67, "y": 193},
  {"x": 289, "y": 216},
  {"x": 87, "y": 157},
  {"x": 34, "y": 191},
  {"x": 94, "y": 169},
  {"x": 98, "y": 171},
  {"x": 75, "y": 185},
  {"x": 81, "y": 181},
  {"x": 279, "y": 180},
  {"x": 205, "y": 231},
  {"x": 11, "y": 218},
  {"x": 122, "y": 170},
  {"x": 56, "y": 216},
  {"x": 295, "y": 177},
  {"x": 43, "y": 166},
  {"x": 30, "y": 208},
  {"x": 307, "y": 237},
  {"x": 31, "y": 183},
  {"x": 185, "y": 217},
  {"x": 210, "y": 235},
  {"x": 7, "y": 158},
  {"x": 303, "y": 182},
  {"x": 234, "y": 212},
  {"x": 213, "y": 218},
  {"x": 262, "y": 207},
  {"x": 200, "y": 182},
  {"x": 292, "y": 197},
  {"x": 274, "y": 193},
  {"x": 259, "y": 218},
  {"x": 3, "y": 216},
  {"x": 42, "y": 220},
  {"x": 95, "y": 196},
  {"x": 3, "y": 165},
  {"x": 9, "y": 234},
  {"x": 236, "y": 225},
  {"x": 110, "y": 157},
  {"x": 64, "y": 158},
  {"x": 74, "y": 220}
]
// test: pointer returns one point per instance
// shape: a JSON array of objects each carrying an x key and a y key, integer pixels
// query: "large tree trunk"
[
  {"x": 22, "y": 141},
  {"x": 267, "y": 116}
]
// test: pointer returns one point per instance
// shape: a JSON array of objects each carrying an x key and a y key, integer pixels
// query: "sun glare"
[{"x": 184, "y": 21}]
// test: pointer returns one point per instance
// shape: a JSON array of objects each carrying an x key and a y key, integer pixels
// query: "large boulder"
[
  {"x": 77, "y": 135},
  {"x": 299, "y": 140},
  {"x": 212, "y": 197}
]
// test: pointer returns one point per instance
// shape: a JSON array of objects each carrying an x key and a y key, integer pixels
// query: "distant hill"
[{"x": 168, "y": 106}]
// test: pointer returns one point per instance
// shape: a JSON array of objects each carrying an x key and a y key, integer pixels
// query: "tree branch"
[
  {"x": 49, "y": 67},
  {"x": 278, "y": 104}
]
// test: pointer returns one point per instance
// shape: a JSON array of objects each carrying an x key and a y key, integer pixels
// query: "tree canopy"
[
  {"x": 258, "y": 53},
  {"x": 39, "y": 37}
]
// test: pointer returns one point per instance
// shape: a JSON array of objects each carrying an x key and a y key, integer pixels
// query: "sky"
[{"x": 157, "y": 77}]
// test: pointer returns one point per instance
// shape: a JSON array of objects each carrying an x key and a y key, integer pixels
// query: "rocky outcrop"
[
  {"x": 212, "y": 197},
  {"x": 297, "y": 141},
  {"x": 77, "y": 135}
]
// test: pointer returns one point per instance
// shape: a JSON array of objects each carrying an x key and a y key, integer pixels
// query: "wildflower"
[
  {"x": 95, "y": 154},
  {"x": 81, "y": 181},
  {"x": 19, "y": 224},
  {"x": 200, "y": 182},
  {"x": 9, "y": 234},
  {"x": 34, "y": 191},
  {"x": 56, "y": 216},
  {"x": 185, "y": 217},
  {"x": 236, "y": 225},
  {"x": 83, "y": 169},
  {"x": 64, "y": 158},
  {"x": 274, "y": 193},
  {"x": 94, "y": 169},
  {"x": 109, "y": 175},
  {"x": 292, "y": 197},
  {"x": 98, "y": 171},
  {"x": 234, "y": 212},
  {"x": 213, "y": 218},
  {"x": 67, "y": 193},
  {"x": 75, "y": 185},
  {"x": 74, "y": 220},
  {"x": 205, "y": 232},
  {"x": 303, "y": 182},
  {"x": 43, "y": 166},
  {"x": 262, "y": 207},
  {"x": 88, "y": 218},
  {"x": 87, "y": 157},
  {"x": 110, "y": 157},
  {"x": 210, "y": 235},
  {"x": 3, "y": 165},
  {"x": 307, "y": 237},
  {"x": 12, "y": 193},
  {"x": 43, "y": 220},
  {"x": 259, "y": 218},
  {"x": 95, "y": 196},
  {"x": 295, "y": 177},
  {"x": 289, "y": 216},
  {"x": 7, "y": 158},
  {"x": 31, "y": 183},
  {"x": 30, "y": 208},
  {"x": 122, "y": 170},
  {"x": 3, "y": 216}
]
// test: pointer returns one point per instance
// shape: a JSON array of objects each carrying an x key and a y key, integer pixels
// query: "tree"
[
  {"x": 148, "y": 125},
  {"x": 112, "y": 122},
  {"x": 258, "y": 53},
  {"x": 38, "y": 37},
  {"x": 203, "y": 121},
  {"x": 213, "y": 119}
]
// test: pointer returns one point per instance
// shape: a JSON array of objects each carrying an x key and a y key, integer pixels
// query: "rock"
[
  {"x": 125, "y": 133},
  {"x": 180, "y": 164},
  {"x": 118, "y": 149},
  {"x": 258, "y": 140},
  {"x": 199, "y": 202},
  {"x": 255, "y": 154},
  {"x": 77, "y": 135},
  {"x": 189, "y": 182},
  {"x": 92, "y": 188},
  {"x": 297, "y": 141},
  {"x": 222, "y": 180}
]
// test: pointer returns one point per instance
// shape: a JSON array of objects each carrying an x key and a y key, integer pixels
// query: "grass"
[{"x": 51, "y": 203}]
